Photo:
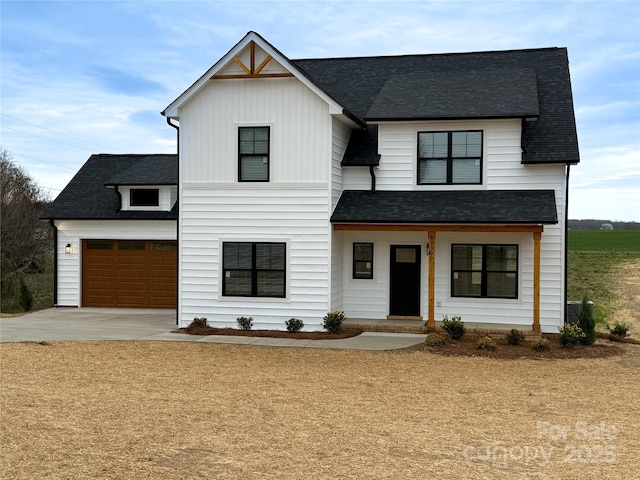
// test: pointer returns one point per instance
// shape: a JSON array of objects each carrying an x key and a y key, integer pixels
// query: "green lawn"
[
  {"x": 594, "y": 257},
  {"x": 626, "y": 241}
]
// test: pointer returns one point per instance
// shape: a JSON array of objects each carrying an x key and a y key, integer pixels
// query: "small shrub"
[
  {"x": 571, "y": 335},
  {"x": 515, "y": 337},
  {"x": 434, "y": 340},
  {"x": 26, "y": 298},
  {"x": 245, "y": 323},
  {"x": 333, "y": 321},
  {"x": 455, "y": 327},
  {"x": 541, "y": 345},
  {"x": 486, "y": 343},
  {"x": 587, "y": 323},
  {"x": 294, "y": 325},
  {"x": 199, "y": 322},
  {"x": 620, "y": 329}
]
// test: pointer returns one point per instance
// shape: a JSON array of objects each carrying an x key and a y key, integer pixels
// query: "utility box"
[{"x": 573, "y": 310}]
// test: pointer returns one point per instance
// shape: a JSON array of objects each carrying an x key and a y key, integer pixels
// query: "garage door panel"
[{"x": 129, "y": 274}]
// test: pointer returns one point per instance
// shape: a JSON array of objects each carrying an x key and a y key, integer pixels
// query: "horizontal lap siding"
[
  {"x": 339, "y": 140},
  {"x": 486, "y": 310},
  {"x": 502, "y": 170},
  {"x": 212, "y": 215},
  {"x": 74, "y": 231},
  {"x": 369, "y": 298}
]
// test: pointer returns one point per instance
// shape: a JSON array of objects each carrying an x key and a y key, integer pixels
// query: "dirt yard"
[
  {"x": 182, "y": 410},
  {"x": 113, "y": 410}
]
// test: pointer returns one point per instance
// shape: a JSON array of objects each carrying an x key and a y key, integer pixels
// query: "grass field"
[
  {"x": 626, "y": 241},
  {"x": 595, "y": 260}
]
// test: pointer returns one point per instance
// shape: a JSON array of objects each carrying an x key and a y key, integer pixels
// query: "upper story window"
[
  {"x": 450, "y": 158},
  {"x": 144, "y": 197},
  {"x": 253, "y": 154}
]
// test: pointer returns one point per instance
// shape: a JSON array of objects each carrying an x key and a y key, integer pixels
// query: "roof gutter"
[{"x": 177, "y": 127}]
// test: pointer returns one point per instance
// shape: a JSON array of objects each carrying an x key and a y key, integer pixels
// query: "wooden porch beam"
[
  {"x": 368, "y": 227},
  {"x": 431, "y": 251},
  {"x": 536, "y": 281}
]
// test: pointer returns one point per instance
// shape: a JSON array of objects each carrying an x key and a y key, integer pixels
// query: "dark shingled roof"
[
  {"x": 362, "y": 149},
  {"x": 459, "y": 207},
  {"x": 87, "y": 197},
  {"x": 501, "y": 84},
  {"x": 149, "y": 170}
]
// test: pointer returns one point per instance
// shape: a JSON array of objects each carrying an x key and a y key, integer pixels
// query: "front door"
[{"x": 405, "y": 280}]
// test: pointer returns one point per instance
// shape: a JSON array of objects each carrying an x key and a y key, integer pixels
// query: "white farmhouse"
[{"x": 400, "y": 187}]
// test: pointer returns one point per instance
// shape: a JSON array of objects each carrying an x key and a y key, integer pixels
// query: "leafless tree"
[{"x": 25, "y": 240}]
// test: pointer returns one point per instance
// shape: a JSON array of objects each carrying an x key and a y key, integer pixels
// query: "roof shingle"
[
  {"x": 448, "y": 207},
  {"x": 87, "y": 197}
]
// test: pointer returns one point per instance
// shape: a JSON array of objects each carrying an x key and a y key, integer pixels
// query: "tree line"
[{"x": 25, "y": 240}]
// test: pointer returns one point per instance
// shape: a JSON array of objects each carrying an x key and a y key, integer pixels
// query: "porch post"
[
  {"x": 536, "y": 281},
  {"x": 431, "y": 250}
]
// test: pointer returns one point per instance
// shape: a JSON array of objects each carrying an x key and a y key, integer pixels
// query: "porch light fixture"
[{"x": 68, "y": 249}]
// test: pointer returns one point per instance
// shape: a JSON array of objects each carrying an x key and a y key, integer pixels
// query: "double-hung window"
[
  {"x": 485, "y": 271},
  {"x": 253, "y": 154},
  {"x": 254, "y": 269},
  {"x": 450, "y": 158}
]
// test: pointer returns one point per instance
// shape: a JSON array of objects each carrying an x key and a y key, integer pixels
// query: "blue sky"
[{"x": 92, "y": 76}]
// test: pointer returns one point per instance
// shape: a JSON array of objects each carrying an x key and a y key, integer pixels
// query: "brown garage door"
[{"x": 129, "y": 273}]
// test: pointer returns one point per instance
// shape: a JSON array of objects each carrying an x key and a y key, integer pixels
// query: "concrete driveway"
[
  {"x": 87, "y": 324},
  {"x": 143, "y": 324}
]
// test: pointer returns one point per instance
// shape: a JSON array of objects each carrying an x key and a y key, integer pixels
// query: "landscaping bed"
[
  {"x": 468, "y": 346},
  {"x": 207, "y": 330}
]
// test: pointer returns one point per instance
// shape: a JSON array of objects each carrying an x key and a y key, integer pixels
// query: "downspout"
[
  {"x": 119, "y": 198},
  {"x": 177, "y": 219},
  {"x": 55, "y": 262},
  {"x": 566, "y": 244},
  {"x": 373, "y": 178}
]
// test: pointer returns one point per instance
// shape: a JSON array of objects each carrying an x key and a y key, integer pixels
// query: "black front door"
[{"x": 405, "y": 280}]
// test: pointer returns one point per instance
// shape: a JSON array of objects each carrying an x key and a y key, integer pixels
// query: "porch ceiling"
[{"x": 468, "y": 207}]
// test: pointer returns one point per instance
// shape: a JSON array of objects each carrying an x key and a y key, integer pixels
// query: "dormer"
[
  {"x": 159, "y": 198},
  {"x": 148, "y": 185}
]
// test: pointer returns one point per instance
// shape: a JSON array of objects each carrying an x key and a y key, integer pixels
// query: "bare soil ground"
[
  {"x": 627, "y": 289},
  {"x": 174, "y": 410}
]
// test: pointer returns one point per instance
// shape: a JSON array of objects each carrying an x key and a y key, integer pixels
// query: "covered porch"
[{"x": 440, "y": 224}]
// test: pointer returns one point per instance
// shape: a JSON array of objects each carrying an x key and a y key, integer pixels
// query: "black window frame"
[
  {"x": 242, "y": 155},
  {"x": 134, "y": 192},
  {"x": 254, "y": 270},
  {"x": 485, "y": 272},
  {"x": 450, "y": 159},
  {"x": 355, "y": 275}
]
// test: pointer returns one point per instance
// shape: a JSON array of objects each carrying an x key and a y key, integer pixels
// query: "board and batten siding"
[
  {"x": 295, "y": 214},
  {"x": 75, "y": 231},
  {"x": 299, "y": 121},
  {"x": 502, "y": 170}
]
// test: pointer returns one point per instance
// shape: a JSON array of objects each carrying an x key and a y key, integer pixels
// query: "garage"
[{"x": 129, "y": 273}]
